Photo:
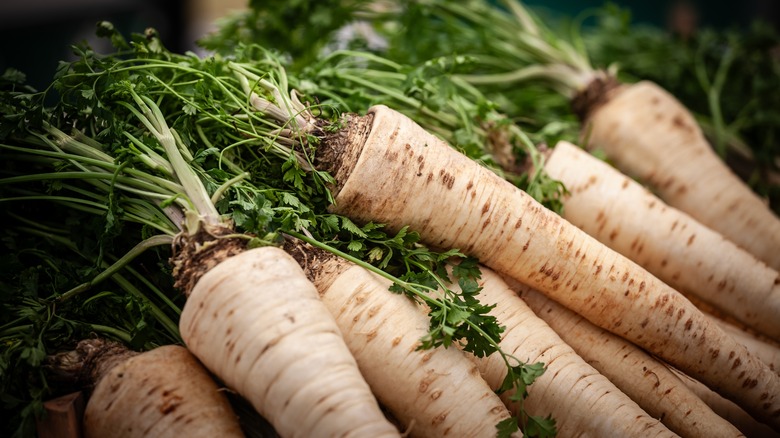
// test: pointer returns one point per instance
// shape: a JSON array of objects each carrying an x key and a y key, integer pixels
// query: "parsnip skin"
[
  {"x": 727, "y": 409},
  {"x": 643, "y": 378},
  {"x": 583, "y": 402},
  {"x": 256, "y": 321},
  {"x": 669, "y": 243},
  {"x": 434, "y": 393},
  {"x": 651, "y": 136},
  {"x": 468, "y": 207},
  {"x": 161, "y": 393},
  {"x": 766, "y": 350}
]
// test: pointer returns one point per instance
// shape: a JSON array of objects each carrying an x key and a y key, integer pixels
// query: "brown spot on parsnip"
[
  {"x": 170, "y": 404},
  {"x": 446, "y": 178},
  {"x": 644, "y": 323},
  {"x": 688, "y": 324},
  {"x": 690, "y": 239},
  {"x": 737, "y": 363},
  {"x": 749, "y": 383},
  {"x": 625, "y": 184},
  {"x": 486, "y": 208},
  {"x": 678, "y": 121},
  {"x": 598, "y": 269},
  {"x": 614, "y": 234},
  {"x": 439, "y": 419}
]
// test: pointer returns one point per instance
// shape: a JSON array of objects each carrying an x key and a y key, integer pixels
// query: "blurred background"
[{"x": 36, "y": 34}]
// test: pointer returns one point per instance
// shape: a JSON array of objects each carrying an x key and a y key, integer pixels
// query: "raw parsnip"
[
  {"x": 584, "y": 401},
  {"x": 643, "y": 378},
  {"x": 256, "y": 321},
  {"x": 643, "y": 130},
  {"x": 163, "y": 392},
  {"x": 386, "y": 158},
  {"x": 433, "y": 393},
  {"x": 670, "y": 244},
  {"x": 766, "y": 350},
  {"x": 727, "y": 409},
  {"x": 650, "y": 135}
]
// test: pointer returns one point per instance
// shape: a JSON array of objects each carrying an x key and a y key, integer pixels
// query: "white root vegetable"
[
  {"x": 163, "y": 392},
  {"x": 727, "y": 409},
  {"x": 256, "y": 321},
  {"x": 650, "y": 135},
  {"x": 468, "y": 207},
  {"x": 433, "y": 393},
  {"x": 583, "y": 401},
  {"x": 669, "y": 243},
  {"x": 643, "y": 378}
]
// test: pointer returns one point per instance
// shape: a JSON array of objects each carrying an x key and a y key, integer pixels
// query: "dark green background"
[{"x": 36, "y": 34}]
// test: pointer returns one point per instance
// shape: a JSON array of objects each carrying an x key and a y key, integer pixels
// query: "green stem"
[
  {"x": 153, "y": 119},
  {"x": 137, "y": 250},
  {"x": 115, "y": 332},
  {"x": 169, "y": 325},
  {"x": 226, "y": 185}
]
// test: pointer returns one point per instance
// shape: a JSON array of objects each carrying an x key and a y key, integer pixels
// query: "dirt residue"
[
  {"x": 321, "y": 267},
  {"x": 598, "y": 92},
  {"x": 88, "y": 362},
  {"x": 195, "y": 254},
  {"x": 339, "y": 150}
]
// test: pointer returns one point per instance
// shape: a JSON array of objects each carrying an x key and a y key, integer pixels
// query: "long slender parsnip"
[
  {"x": 391, "y": 171},
  {"x": 643, "y": 378},
  {"x": 257, "y": 322},
  {"x": 651, "y": 136},
  {"x": 669, "y": 243},
  {"x": 582, "y": 400},
  {"x": 767, "y": 351},
  {"x": 434, "y": 393},
  {"x": 727, "y": 409}
]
